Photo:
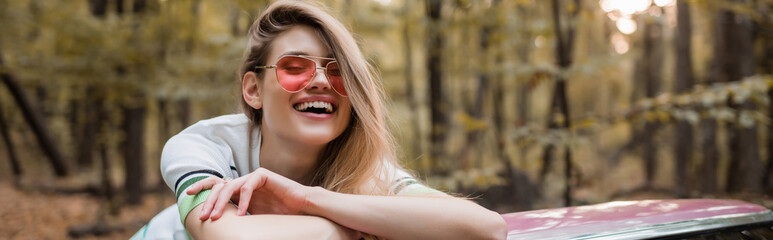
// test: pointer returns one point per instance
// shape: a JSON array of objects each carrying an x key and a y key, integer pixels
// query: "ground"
[{"x": 35, "y": 214}]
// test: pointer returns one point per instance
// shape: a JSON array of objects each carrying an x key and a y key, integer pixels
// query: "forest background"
[{"x": 520, "y": 104}]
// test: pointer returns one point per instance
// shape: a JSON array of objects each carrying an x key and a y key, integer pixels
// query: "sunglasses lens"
[
  {"x": 294, "y": 73},
  {"x": 334, "y": 76}
]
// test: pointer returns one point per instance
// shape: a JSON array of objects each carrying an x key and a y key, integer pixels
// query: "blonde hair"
[{"x": 365, "y": 148}]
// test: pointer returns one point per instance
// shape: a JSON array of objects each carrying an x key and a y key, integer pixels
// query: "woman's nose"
[{"x": 319, "y": 80}]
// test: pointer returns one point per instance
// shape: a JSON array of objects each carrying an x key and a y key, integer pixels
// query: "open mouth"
[{"x": 318, "y": 107}]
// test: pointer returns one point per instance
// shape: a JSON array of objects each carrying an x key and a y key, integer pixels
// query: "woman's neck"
[{"x": 288, "y": 158}]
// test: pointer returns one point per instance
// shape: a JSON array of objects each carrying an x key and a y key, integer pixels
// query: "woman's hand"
[{"x": 260, "y": 192}]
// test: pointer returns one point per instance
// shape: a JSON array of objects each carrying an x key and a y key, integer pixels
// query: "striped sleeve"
[
  {"x": 188, "y": 158},
  {"x": 406, "y": 185}
]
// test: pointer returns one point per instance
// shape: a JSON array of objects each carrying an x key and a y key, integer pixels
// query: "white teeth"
[{"x": 316, "y": 104}]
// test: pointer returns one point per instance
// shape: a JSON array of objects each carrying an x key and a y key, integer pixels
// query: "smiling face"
[{"x": 316, "y": 114}]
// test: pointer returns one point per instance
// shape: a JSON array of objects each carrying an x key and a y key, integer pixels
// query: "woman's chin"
[{"x": 316, "y": 136}]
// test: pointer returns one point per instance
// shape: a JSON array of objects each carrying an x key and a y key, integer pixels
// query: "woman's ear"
[{"x": 252, "y": 91}]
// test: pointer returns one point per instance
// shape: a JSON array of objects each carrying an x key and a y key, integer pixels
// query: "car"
[{"x": 645, "y": 219}]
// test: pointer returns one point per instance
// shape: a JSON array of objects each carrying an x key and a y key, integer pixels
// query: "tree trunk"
[
  {"x": 476, "y": 109},
  {"x": 684, "y": 82},
  {"x": 139, "y": 6},
  {"x": 118, "y": 6},
  {"x": 98, "y": 7},
  {"x": 547, "y": 159},
  {"x": 184, "y": 111},
  {"x": 191, "y": 42},
  {"x": 133, "y": 125},
  {"x": 437, "y": 101},
  {"x": 716, "y": 74},
  {"x": 561, "y": 89},
  {"x": 767, "y": 180},
  {"x": 37, "y": 124},
  {"x": 418, "y": 141},
  {"x": 87, "y": 139},
  {"x": 564, "y": 46},
  {"x": 745, "y": 169},
  {"x": 15, "y": 166},
  {"x": 652, "y": 65},
  {"x": 163, "y": 133},
  {"x": 474, "y": 136},
  {"x": 103, "y": 123},
  {"x": 710, "y": 156},
  {"x": 74, "y": 113},
  {"x": 649, "y": 153},
  {"x": 236, "y": 28},
  {"x": 163, "y": 120},
  {"x": 523, "y": 52},
  {"x": 133, "y": 151},
  {"x": 522, "y": 190}
]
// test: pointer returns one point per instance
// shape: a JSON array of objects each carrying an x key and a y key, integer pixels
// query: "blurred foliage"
[{"x": 190, "y": 50}]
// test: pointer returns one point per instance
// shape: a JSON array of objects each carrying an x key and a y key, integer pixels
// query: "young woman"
[{"x": 310, "y": 157}]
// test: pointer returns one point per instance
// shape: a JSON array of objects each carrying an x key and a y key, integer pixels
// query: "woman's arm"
[
  {"x": 397, "y": 217},
  {"x": 231, "y": 226},
  {"x": 393, "y": 217}
]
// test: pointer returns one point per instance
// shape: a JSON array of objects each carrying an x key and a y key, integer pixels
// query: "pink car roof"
[{"x": 612, "y": 216}]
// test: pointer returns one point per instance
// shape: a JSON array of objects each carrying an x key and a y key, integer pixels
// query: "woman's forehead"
[
  {"x": 299, "y": 40},
  {"x": 302, "y": 53}
]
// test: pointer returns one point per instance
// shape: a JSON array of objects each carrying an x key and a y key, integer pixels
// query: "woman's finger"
[
  {"x": 207, "y": 183},
  {"x": 245, "y": 192},
  {"x": 207, "y": 205},
  {"x": 224, "y": 197}
]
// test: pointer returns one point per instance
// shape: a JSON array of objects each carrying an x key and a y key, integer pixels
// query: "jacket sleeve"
[
  {"x": 404, "y": 184},
  {"x": 192, "y": 156}
]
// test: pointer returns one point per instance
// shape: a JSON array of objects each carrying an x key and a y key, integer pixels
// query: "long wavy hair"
[{"x": 365, "y": 148}]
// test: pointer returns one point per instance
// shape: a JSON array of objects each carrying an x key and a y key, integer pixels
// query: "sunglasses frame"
[{"x": 316, "y": 66}]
